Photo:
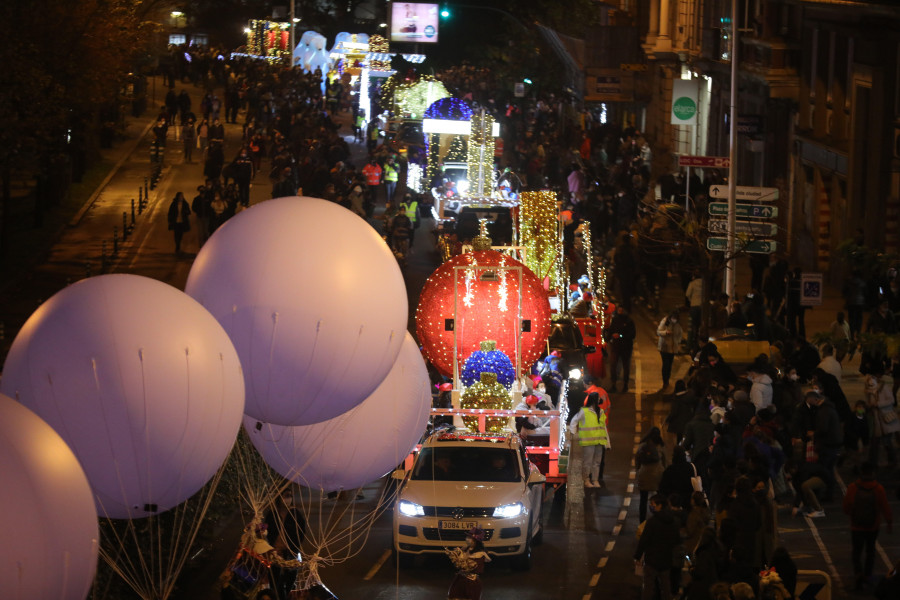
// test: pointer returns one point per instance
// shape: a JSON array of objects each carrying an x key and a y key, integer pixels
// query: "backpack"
[{"x": 864, "y": 512}]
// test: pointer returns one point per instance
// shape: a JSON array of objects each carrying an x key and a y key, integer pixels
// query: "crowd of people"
[{"x": 742, "y": 448}]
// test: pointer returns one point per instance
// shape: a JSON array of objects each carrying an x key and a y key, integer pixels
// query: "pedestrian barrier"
[{"x": 813, "y": 585}]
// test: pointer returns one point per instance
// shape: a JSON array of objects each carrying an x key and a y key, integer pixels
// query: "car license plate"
[{"x": 457, "y": 525}]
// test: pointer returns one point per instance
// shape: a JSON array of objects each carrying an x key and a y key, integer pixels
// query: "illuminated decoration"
[
  {"x": 414, "y": 175},
  {"x": 487, "y": 393},
  {"x": 480, "y": 159},
  {"x": 269, "y": 39},
  {"x": 488, "y": 360},
  {"x": 444, "y": 322},
  {"x": 378, "y": 58},
  {"x": 539, "y": 231},
  {"x": 457, "y": 151},
  {"x": 413, "y": 100},
  {"x": 451, "y": 109}
]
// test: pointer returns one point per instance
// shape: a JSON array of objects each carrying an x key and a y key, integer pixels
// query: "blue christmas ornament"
[{"x": 488, "y": 360}]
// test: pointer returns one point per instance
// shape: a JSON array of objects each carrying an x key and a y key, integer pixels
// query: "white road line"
[
  {"x": 616, "y": 530},
  {"x": 610, "y": 545},
  {"x": 637, "y": 427},
  {"x": 595, "y": 580},
  {"x": 586, "y": 597},
  {"x": 631, "y": 475},
  {"x": 626, "y": 501},
  {"x": 602, "y": 562},
  {"x": 637, "y": 440},
  {"x": 623, "y": 513},
  {"x": 630, "y": 489},
  {"x": 878, "y": 547},
  {"x": 835, "y": 576},
  {"x": 378, "y": 564}
]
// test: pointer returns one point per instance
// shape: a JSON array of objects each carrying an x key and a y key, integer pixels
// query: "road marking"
[
  {"x": 602, "y": 562},
  {"x": 626, "y": 501},
  {"x": 637, "y": 426},
  {"x": 610, "y": 545},
  {"x": 595, "y": 580},
  {"x": 630, "y": 489},
  {"x": 631, "y": 475},
  {"x": 616, "y": 530},
  {"x": 586, "y": 597},
  {"x": 637, "y": 440},
  {"x": 623, "y": 513},
  {"x": 835, "y": 576},
  {"x": 878, "y": 547},
  {"x": 378, "y": 564}
]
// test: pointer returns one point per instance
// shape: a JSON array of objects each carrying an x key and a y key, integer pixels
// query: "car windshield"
[{"x": 467, "y": 463}]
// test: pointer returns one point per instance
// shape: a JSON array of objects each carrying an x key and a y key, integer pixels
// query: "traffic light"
[{"x": 445, "y": 11}]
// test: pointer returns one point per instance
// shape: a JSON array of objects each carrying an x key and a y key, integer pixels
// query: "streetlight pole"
[
  {"x": 291, "y": 38},
  {"x": 732, "y": 179}
]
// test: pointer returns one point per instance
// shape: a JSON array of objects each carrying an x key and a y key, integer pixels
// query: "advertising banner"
[
  {"x": 414, "y": 22},
  {"x": 684, "y": 102}
]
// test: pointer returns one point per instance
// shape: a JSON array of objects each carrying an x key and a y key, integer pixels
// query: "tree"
[{"x": 63, "y": 62}]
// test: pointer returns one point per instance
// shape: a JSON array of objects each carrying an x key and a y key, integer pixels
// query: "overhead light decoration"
[
  {"x": 538, "y": 231},
  {"x": 480, "y": 159}
]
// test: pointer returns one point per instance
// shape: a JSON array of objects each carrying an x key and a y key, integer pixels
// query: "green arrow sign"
[
  {"x": 747, "y": 211},
  {"x": 755, "y": 247}
]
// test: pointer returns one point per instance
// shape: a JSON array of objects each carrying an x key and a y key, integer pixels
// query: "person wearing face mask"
[{"x": 669, "y": 333}]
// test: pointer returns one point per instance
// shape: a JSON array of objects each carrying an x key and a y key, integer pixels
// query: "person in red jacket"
[{"x": 866, "y": 503}]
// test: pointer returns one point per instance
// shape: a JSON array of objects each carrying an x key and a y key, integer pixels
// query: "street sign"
[
  {"x": 810, "y": 289},
  {"x": 749, "y": 124},
  {"x": 755, "y": 247},
  {"x": 717, "y": 162},
  {"x": 743, "y": 192},
  {"x": 755, "y": 228},
  {"x": 747, "y": 211}
]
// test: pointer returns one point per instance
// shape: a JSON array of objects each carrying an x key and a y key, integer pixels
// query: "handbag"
[
  {"x": 696, "y": 480},
  {"x": 888, "y": 416}
]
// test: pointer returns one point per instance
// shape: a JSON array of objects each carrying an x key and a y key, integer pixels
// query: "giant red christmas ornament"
[{"x": 482, "y": 304}]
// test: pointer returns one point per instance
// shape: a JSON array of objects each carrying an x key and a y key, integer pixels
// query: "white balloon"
[
  {"x": 360, "y": 445},
  {"x": 50, "y": 536},
  {"x": 313, "y": 300},
  {"x": 142, "y": 383}
]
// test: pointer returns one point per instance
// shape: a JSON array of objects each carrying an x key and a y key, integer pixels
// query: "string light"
[
  {"x": 538, "y": 231},
  {"x": 480, "y": 159},
  {"x": 414, "y": 177},
  {"x": 487, "y": 393}
]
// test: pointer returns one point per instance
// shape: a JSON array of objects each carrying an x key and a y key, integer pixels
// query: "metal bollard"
[
  {"x": 146, "y": 191},
  {"x": 68, "y": 281},
  {"x": 103, "y": 260},
  {"x": 140, "y": 199},
  {"x": 124, "y": 225},
  {"x": 87, "y": 265},
  {"x": 132, "y": 213},
  {"x": 115, "y": 251},
  {"x": 2, "y": 330}
]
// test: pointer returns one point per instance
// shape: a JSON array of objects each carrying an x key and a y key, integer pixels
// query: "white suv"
[{"x": 462, "y": 480}]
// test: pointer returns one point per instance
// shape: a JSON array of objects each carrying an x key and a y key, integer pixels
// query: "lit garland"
[
  {"x": 589, "y": 260},
  {"x": 432, "y": 149},
  {"x": 502, "y": 301},
  {"x": 539, "y": 233},
  {"x": 442, "y": 324},
  {"x": 487, "y": 393},
  {"x": 488, "y": 360},
  {"x": 480, "y": 159},
  {"x": 457, "y": 151}
]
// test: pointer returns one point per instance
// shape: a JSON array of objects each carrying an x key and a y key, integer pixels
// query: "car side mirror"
[
  {"x": 399, "y": 474},
  {"x": 590, "y": 349},
  {"x": 536, "y": 477}
]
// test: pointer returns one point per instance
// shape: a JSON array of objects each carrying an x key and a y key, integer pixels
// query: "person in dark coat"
[
  {"x": 179, "y": 218},
  {"x": 620, "y": 334},
  {"x": 706, "y": 566},
  {"x": 655, "y": 550},
  {"x": 683, "y": 403},
  {"x": 676, "y": 478}
]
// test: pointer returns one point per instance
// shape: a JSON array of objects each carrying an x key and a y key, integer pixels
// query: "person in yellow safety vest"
[
  {"x": 593, "y": 437},
  {"x": 412, "y": 211},
  {"x": 391, "y": 175}
]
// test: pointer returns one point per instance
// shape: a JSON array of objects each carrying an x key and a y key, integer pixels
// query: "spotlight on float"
[{"x": 574, "y": 373}]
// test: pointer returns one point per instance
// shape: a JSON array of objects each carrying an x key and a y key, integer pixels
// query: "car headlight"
[
  {"x": 509, "y": 510},
  {"x": 574, "y": 373},
  {"x": 410, "y": 509}
]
